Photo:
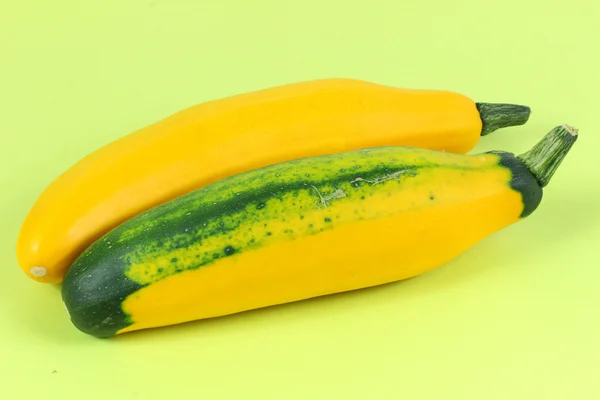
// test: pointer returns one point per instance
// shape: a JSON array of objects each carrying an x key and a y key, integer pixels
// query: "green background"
[{"x": 514, "y": 318}]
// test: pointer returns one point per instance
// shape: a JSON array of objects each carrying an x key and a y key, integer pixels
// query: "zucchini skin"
[{"x": 298, "y": 201}]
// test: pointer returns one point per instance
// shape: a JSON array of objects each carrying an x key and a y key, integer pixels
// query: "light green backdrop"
[{"x": 515, "y": 318}]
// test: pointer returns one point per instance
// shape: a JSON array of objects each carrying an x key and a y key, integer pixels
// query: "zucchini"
[
  {"x": 301, "y": 229},
  {"x": 221, "y": 138}
]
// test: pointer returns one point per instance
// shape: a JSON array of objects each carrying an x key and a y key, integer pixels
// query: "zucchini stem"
[
  {"x": 544, "y": 158},
  {"x": 498, "y": 115}
]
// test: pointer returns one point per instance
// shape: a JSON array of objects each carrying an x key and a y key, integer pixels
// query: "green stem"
[
  {"x": 545, "y": 157},
  {"x": 497, "y": 115}
]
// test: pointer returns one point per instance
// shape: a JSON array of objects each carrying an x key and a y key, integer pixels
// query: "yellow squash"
[
  {"x": 218, "y": 139},
  {"x": 302, "y": 229}
]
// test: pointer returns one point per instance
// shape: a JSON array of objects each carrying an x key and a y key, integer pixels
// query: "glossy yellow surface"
[
  {"x": 399, "y": 231},
  {"x": 223, "y": 137}
]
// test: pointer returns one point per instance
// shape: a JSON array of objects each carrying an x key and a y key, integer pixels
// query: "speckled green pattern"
[
  {"x": 295, "y": 206},
  {"x": 253, "y": 209}
]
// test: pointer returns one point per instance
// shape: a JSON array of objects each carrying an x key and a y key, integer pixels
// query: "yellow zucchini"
[
  {"x": 224, "y": 137},
  {"x": 301, "y": 229}
]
